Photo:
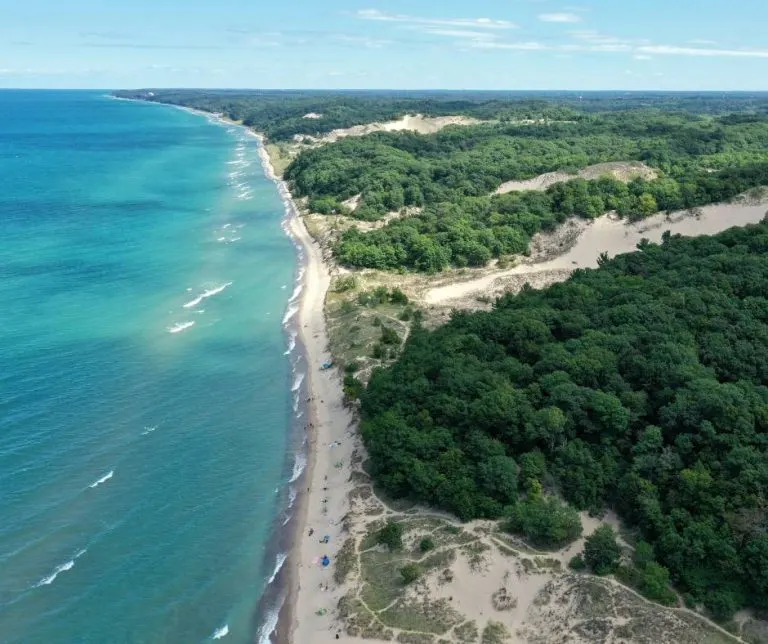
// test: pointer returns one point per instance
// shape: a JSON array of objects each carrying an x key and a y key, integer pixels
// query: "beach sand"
[{"x": 332, "y": 438}]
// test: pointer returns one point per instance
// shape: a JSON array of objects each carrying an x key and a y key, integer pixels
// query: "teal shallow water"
[{"x": 141, "y": 469}]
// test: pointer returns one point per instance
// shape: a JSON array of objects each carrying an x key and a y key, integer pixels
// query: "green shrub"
[
  {"x": 389, "y": 336},
  {"x": 345, "y": 283},
  {"x": 410, "y": 573},
  {"x": 426, "y": 544},
  {"x": 398, "y": 297},
  {"x": 577, "y": 563},
  {"x": 544, "y": 520},
  {"x": 391, "y": 535},
  {"x": 352, "y": 387},
  {"x": 601, "y": 551}
]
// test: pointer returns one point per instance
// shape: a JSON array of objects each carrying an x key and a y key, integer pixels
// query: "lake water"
[{"x": 146, "y": 399}]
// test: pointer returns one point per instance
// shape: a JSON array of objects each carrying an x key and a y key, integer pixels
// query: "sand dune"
[
  {"x": 623, "y": 171},
  {"x": 606, "y": 234}
]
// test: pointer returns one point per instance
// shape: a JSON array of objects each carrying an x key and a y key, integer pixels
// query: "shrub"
[
  {"x": 426, "y": 544},
  {"x": 347, "y": 307},
  {"x": 352, "y": 387},
  {"x": 389, "y": 336},
  {"x": 345, "y": 283},
  {"x": 601, "y": 551},
  {"x": 352, "y": 366},
  {"x": 410, "y": 573},
  {"x": 398, "y": 297},
  {"x": 391, "y": 535},
  {"x": 577, "y": 563},
  {"x": 544, "y": 520}
]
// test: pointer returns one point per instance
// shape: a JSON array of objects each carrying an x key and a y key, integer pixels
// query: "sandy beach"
[{"x": 331, "y": 436}]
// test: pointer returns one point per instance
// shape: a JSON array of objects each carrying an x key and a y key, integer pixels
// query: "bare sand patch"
[
  {"x": 621, "y": 170},
  {"x": 413, "y": 122},
  {"x": 607, "y": 234}
]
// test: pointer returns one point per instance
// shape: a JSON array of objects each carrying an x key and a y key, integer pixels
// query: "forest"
[
  {"x": 279, "y": 114},
  {"x": 638, "y": 386},
  {"x": 451, "y": 176}
]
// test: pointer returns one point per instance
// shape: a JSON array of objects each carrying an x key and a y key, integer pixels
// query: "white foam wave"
[
  {"x": 291, "y": 344},
  {"x": 299, "y": 463},
  {"x": 148, "y": 430},
  {"x": 297, "y": 381},
  {"x": 206, "y": 294},
  {"x": 291, "y": 497},
  {"x": 278, "y": 565},
  {"x": 221, "y": 632},
  {"x": 270, "y": 623},
  {"x": 292, "y": 310},
  {"x": 287, "y": 519},
  {"x": 103, "y": 479},
  {"x": 47, "y": 581},
  {"x": 296, "y": 292},
  {"x": 178, "y": 328}
]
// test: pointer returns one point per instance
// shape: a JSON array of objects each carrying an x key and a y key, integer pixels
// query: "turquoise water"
[{"x": 143, "y": 458}]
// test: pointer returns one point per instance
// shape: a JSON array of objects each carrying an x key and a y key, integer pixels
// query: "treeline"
[
  {"x": 640, "y": 385},
  {"x": 472, "y": 230},
  {"x": 391, "y": 170},
  {"x": 280, "y": 115}
]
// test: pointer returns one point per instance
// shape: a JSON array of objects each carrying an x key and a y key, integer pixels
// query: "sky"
[{"x": 440, "y": 44}]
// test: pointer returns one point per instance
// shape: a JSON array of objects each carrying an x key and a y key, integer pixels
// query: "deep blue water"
[{"x": 141, "y": 470}]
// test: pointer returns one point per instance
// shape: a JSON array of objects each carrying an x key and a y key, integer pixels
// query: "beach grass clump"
[
  {"x": 382, "y": 582},
  {"x": 410, "y": 572},
  {"x": 495, "y": 633},
  {"x": 421, "y": 615},
  {"x": 466, "y": 633},
  {"x": 345, "y": 561},
  {"x": 415, "y": 638},
  {"x": 442, "y": 559}
]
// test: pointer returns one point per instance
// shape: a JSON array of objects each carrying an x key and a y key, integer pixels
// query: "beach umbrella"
[{"x": 325, "y": 561}]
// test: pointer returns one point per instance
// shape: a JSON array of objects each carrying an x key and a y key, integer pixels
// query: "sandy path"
[{"x": 613, "y": 236}]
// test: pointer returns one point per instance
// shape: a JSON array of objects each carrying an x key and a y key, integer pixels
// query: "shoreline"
[
  {"x": 279, "y": 611},
  {"x": 331, "y": 440},
  {"x": 276, "y": 614}
]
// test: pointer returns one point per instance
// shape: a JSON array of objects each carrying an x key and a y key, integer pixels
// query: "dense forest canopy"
[
  {"x": 639, "y": 385},
  {"x": 451, "y": 175}
]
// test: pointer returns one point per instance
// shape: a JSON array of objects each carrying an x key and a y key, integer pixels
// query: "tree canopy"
[{"x": 639, "y": 385}]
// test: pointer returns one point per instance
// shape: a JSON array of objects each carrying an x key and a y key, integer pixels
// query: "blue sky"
[{"x": 483, "y": 44}]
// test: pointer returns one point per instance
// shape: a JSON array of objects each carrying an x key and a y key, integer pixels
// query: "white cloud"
[
  {"x": 670, "y": 50},
  {"x": 476, "y": 23},
  {"x": 559, "y": 17},
  {"x": 642, "y": 57},
  {"x": 460, "y": 33},
  {"x": 518, "y": 46}
]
